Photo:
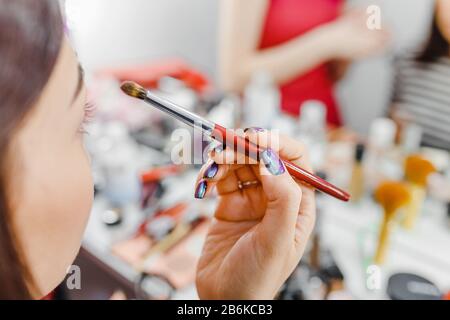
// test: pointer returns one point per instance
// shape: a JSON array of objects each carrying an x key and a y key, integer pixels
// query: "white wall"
[
  {"x": 111, "y": 32},
  {"x": 365, "y": 92}
]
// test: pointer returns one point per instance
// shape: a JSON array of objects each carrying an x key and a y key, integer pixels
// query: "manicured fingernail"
[
  {"x": 200, "y": 190},
  {"x": 272, "y": 162},
  {"x": 211, "y": 171},
  {"x": 254, "y": 129}
]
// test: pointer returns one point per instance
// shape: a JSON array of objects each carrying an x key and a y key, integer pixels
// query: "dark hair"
[
  {"x": 31, "y": 35},
  {"x": 437, "y": 46}
]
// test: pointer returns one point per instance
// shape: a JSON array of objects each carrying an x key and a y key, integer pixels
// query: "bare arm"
[
  {"x": 241, "y": 26},
  {"x": 240, "y": 32}
]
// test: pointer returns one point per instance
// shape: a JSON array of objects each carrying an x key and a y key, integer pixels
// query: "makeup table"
[
  {"x": 351, "y": 231},
  {"x": 99, "y": 239}
]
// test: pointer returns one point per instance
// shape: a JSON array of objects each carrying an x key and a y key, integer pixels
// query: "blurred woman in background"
[
  {"x": 422, "y": 90},
  {"x": 46, "y": 191},
  {"x": 298, "y": 42}
]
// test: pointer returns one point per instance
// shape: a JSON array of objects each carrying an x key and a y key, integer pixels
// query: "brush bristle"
[
  {"x": 392, "y": 195},
  {"x": 134, "y": 90},
  {"x": 417, "y": 170}
]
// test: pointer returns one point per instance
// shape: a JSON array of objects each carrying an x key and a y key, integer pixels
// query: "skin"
[
  {"x": 54, "y": 190},
  {"x": 345, "y": 39},
  {"x": 443, "y": 18},
  {"x": 259, "y": 234},
  {"x": 255, "y": 243}
]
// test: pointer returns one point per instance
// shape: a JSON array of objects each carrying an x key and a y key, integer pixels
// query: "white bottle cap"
[
  {"x": 313, "y": 112},
  {"x": 382, "y": 133}
]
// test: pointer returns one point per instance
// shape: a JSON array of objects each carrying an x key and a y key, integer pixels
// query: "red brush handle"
[{"x": 221, "y": 134}]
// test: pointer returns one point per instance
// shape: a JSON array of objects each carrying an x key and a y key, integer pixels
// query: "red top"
[{"x": 287, "y": 19}]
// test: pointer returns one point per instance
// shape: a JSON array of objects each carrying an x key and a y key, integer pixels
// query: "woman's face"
[
  {"x": 52, "y": 186},
  {"x": 443, "y": 18}
]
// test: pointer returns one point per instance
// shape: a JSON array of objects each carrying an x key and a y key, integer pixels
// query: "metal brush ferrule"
[{"x": 180, "y": 113}]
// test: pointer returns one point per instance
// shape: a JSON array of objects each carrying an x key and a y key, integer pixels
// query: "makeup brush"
[
  {"x": 417, "y": 171},
  {"x": 392, "y": 196},
  {"x": 228, "y": 137}
]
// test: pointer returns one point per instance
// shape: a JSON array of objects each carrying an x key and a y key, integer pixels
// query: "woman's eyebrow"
[{"x": 79, "y": 84}]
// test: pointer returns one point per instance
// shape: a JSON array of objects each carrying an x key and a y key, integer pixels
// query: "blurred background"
[
  {"x": 357, "y": 111},
  {"x": 189, "y": 29}
]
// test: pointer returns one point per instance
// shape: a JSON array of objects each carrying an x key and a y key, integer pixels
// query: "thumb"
[{"x": 283, "y": 202}]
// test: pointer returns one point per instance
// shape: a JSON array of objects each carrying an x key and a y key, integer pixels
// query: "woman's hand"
[
  {"x": 349, "y": 37},
  {"x": 260, "y": 229}
]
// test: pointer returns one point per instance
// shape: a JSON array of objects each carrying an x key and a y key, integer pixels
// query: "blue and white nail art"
[
  {"x": 200, "y": 190},
  {"x": 211, "y": 171},
  {"x": 272, "y": 162}
]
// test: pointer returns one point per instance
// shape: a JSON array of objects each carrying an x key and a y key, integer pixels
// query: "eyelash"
[{"x": 89, "y": 114}]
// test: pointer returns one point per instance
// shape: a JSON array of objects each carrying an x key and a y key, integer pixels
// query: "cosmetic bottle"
[
  {"x": 227, "y": 112},
  {"x": 411, "y": 138},
  {"x": 119, "y": 166},
  {"x": 357, "y": 187},
  {"x": 312, "y": 131},
  {"x": 261, "y": 101},
  {"x": 379, "y": 163},
  {"x": 285, "y": 124}
]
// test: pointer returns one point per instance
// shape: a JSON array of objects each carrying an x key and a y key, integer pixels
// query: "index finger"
[{"x": 287, "y": 147}]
